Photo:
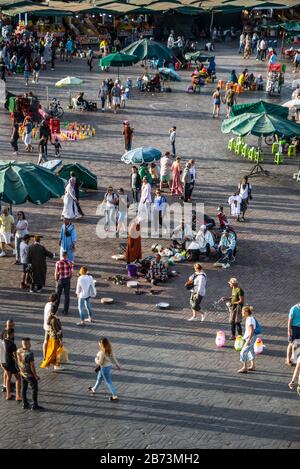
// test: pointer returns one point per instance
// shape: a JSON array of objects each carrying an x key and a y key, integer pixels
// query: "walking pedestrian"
[
  {"x": 123, "y": 205},
  {"x": 186, "y": 180},
  {"x": 235, "y": 307},
  {"x": 235, "y": 202},
  {"x": 36, "y": 70},
  {"x": 52, "y": 303},
  {"x": 229, "y": 100},
  {"x": 21, "y": 230},
  {"x": 128, "y": 134},
  {"x": 55, "y": 341},
  {"x": 176, "y": 186},
  {"x": 57, "y": 147},
  {"x": 245, "y": 192},
  {"x": 193, "y": 177},
  {"x": 295, "y": 375},
  {"x": 217, "y": 102},
  {"x": 67, "y": 240},
  {"x": 165, "y": 170},
  {"x": 172, "y": 133},
  {"x": 104, "y": 360},
  {"x": 116, "y": 96},
  {"x": 293, "y": 330},
  {"x": 146, "y": 199},
  {"x": 197, "y": 284},
  {"x": 26, "y": 72},
  {"x": 42, "y": 149},
  {"x": 90, "y": 57},
  {"x": 10, "y": 366},
  {"x": 69, "y": 49},
  {"x": 247, "y": 352},
  {"x": 37, "y": 256},
  {"x": 24, "y": 249},
  {"x": 111, "y": 202},
  {"x": 7, "y": 228},
  {"x": 85, "y": 290},
  {"x": 28, "y": 374},
  {"x": 159, "y": 210},
  {"x": 103, "y": 94},
  {"x": 15, "y": 137},
  {"x": 28, "y": 134},
  {"x": 63, "y": 274},
  {"x": 135, "y": 184}
]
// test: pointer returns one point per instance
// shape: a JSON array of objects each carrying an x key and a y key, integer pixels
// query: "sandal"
[{"x": 242, "y": 371}]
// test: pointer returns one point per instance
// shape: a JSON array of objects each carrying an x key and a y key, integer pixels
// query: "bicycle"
[{"x": 55, "y": 108}]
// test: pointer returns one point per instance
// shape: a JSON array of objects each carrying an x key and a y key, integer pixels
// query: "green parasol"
[
  {"x": 118, "y": 60},
  {"x": 258, "y": 107},
  {"x": 21, "y": 182},
  {"x": 261, "y": 124},
  {"x": 148, "y": 49},
  {"x": 198, "y": 56},
  {"x": 87, "y": 179}
]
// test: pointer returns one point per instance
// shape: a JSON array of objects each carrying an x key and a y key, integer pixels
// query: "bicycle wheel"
[{"x": 270, "y": 139}]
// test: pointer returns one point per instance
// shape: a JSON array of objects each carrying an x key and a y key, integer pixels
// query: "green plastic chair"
[
  {"x": 251, "y": 153},
  {"x": 292, "y": 150},
  {"x": 275, "y": 147},
  {"x": 245, "y": 150},
  {"x": 231, "y": 144},
  {"x": 278, "y": 159},
  {"x": 258, "y": 156}
]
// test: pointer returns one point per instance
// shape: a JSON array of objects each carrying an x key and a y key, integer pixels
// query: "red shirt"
[{"x": 63, "y": 269}]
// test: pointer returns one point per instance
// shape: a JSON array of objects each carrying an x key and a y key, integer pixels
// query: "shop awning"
[
  {"x": 290, "y": 27},
  {"x": 36, "y": 10}
]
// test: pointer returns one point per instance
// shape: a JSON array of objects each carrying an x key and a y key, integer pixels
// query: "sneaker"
[
  {"x": 113, "y": 398},
  {"x": 3, "y": 388},
  {"x": 80, "y": 324},
  {"x": 37, "y": 407},
  {"x": 226, "y": 266},
  {"x": 26, "y": 405},
  {"x": 90, "y": 388},
  {"x": 31, "y": 291},
  {"x": 14, "y": 252},
  {"x": 203, "y": 317},
  {"x": 39, "y": 291},
  {"x": 192, "y": 318},
  {"x": 2, "y": 254},
  {"x": 58, "y": 368}
]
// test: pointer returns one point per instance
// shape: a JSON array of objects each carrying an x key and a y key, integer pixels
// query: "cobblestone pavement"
[{"x": 177, "y": 390}]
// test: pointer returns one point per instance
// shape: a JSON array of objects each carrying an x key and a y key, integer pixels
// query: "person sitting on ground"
[
  {"x": 233, "y": 77},
  {"x": 259, "y": 82},
  {"x": 181, "y": 234},
  {"x": 243, "y": 79},
  {"x": 227, "y": 247},
  {"x": 205, "y": 240},
  {"x": 157, "y": 271},
  {"x": 155, "y": 84},
  {"x": 80, "y": 101}
]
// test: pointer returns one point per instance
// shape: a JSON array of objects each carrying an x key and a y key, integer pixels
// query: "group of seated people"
[
  {"x": 222, "y": 240},
  {"x": 146, "y": 82},
  {"x": 247, "y": 80}
]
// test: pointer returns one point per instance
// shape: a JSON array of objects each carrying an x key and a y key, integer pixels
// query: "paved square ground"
[{"x": 177, "y": 390}]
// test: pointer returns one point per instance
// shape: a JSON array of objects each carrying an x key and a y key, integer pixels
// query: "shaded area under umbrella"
[
  {"x": 260, "y": 125},
  {"x": 141, "y": 155},
  {"x": 87, "y": 179},
  {"x": 69, "y": 82},
  {"x": 169, "y": 73}
]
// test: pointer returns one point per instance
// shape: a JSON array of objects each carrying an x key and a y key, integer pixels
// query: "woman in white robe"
[{"x": 70, "y": 210}]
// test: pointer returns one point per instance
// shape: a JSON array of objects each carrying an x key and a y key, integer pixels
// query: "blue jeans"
[
  {"x": 173, "y": 148},
  {"x": 247, "y": 352},
  {"x": 84, "y": 303},
  {"x": 105, "y": 373}
]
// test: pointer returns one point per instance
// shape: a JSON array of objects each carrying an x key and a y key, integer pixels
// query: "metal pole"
[{"x": 26, "y": 19}]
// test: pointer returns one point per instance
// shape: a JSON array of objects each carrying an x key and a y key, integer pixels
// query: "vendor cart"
[{"x": 275, "y": 79}]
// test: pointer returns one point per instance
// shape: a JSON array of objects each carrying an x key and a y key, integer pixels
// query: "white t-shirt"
[
  {"x": 200, "y": 284},
  {"x": 47, "y": 311},
  {"x": 244, "y": 192},
  {"x": 165, "y": 166},
  {"x": 24, "y": 248},
  {"x": 110, "y": 199},
  {"x": 250, "y": 321},
  {"x": 21, "y": 228},
  {"x": 84, "y": 283}
]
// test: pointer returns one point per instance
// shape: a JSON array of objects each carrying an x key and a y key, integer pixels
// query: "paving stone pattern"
[{"x": 177, "y": 390}]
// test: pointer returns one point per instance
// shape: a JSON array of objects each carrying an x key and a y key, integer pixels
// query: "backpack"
[{"x": 257, "y": 329}]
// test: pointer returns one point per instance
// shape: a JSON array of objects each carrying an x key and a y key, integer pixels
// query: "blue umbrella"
[
  {"x": 169, "y": 73},
  {"x": 141, "y": 155}
]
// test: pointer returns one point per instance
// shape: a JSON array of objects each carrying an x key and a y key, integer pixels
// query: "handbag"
[
  {"x": 62, "y": 355},
  {"x": 97, "y": 369},
  {"x": 92, "y": 289}
]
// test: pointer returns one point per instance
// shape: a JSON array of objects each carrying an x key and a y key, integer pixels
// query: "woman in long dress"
[
  {"x": 176, "y": 187},
  {"x": 54, "y": 342},
  {"x": 235, "y": 201},
  {"x": 70, "y": 210},
  {"x": 134, "y": 243}
]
